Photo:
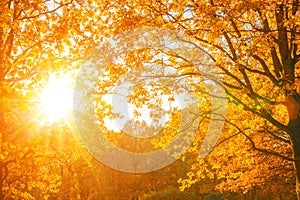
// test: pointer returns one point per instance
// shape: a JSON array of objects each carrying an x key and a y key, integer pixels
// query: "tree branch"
[
  {"x": 266, "y": 151},
  {"x": 266, "y": 69}
]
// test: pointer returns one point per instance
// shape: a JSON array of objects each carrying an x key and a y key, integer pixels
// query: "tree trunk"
[
  {"x": 293, "y": 106},
  {"x": 295, "y": 140},
  {"x": 1, "y": 181}
]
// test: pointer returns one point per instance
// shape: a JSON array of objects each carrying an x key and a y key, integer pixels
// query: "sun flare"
[{"x": 56, "y": 98}]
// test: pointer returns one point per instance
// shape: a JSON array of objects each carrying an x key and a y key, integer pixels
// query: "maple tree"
[{"x": 254, "y": 45}]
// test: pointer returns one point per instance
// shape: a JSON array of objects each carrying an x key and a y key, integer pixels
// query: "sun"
[{"x": 57, "y": 98}]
